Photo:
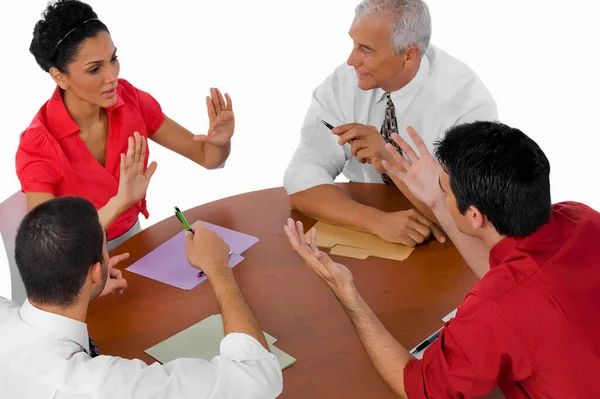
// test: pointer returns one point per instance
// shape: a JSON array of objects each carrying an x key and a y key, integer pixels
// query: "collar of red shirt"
[
  {"x": 500, "y": 251},
  {"x": 544, "y": 241},
  {"x": 58, "y": 120}
]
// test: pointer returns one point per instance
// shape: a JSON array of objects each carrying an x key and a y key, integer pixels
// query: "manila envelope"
[{"x": 355, "y": 244}]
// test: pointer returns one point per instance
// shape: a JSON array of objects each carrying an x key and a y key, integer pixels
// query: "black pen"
[
  {"x": 427, "y": 342},
  {"x": 327, "y": 124}
]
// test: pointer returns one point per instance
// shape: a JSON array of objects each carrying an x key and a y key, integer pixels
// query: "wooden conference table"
[{"x": 289, "y": 300}]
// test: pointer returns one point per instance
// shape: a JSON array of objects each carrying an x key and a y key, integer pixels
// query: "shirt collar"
[
  {"x": 412, "y": 86},
  {"x": 544, "y": 239},
  {"x": 64, "y": 326},
  {"x": 59, "y": 121},
  {"x": 501, "y": 250}
]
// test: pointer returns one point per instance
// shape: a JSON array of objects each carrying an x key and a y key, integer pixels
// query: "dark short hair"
[
  {"x": 500, "y": 171},
  {"x": 56, "y": 244},
  {"x": 58, "y": 19}
]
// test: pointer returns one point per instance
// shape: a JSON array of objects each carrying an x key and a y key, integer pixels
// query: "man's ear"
[
  {"x": 95, "y": 273},
  {"x": 412, "y": 56},
  {"x": 60, "y": 78},
  {"x": 476, "y": 217}
]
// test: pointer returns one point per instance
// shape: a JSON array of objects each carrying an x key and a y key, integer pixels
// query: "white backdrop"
[{"x": 538, "y": 58}]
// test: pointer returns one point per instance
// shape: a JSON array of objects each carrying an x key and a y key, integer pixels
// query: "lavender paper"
[{"x": 168, "y": 263}]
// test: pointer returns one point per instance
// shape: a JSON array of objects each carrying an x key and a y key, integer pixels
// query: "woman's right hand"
[{"x": 134, "y": 180}]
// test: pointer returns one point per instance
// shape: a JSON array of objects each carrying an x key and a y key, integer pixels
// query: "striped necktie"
[
  {"x": 390, "y": 125},
  {"x": 93, "y": 348}
]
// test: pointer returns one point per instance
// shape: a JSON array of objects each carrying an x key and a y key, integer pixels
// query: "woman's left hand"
[{"x": 221, "y": 118}]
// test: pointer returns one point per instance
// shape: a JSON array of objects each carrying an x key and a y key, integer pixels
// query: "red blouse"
[{"x": 53, "y": 159}]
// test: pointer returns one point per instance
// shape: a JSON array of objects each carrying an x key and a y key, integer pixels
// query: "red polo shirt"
[
  {"x": 531, "y": 325},
  {"x": 53, "y": 159}
]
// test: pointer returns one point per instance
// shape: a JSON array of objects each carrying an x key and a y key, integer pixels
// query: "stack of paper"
[
  {"x": 168, "y": 263},
  {"x": 354, "y": 244},
  {"x": 449, "y": 316},
  {"x": 202, "y": 341},
  {"x": 445, "y": 319}
]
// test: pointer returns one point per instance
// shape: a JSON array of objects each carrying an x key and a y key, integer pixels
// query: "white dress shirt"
[
  {"x": 443, "y": 93},
  {"x": 43, "y": 356}
]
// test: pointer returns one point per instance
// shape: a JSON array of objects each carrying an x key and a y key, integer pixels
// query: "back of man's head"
[
  {"x": 501, "y": 172},
  {"x": 56, "y": 244}
]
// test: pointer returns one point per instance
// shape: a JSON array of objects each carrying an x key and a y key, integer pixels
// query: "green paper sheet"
[{"x": 202, "y": 341}]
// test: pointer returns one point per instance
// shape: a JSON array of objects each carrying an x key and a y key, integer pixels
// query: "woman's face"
[{"x": 92, "y": 75}]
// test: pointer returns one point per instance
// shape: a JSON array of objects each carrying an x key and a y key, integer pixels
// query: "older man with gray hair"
[{"x": 392, "y": 79}]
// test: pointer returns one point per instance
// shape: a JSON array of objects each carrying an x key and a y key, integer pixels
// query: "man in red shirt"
[{"x": 530, "y": 325}]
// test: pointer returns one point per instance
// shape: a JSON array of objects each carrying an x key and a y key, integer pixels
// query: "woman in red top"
[{"x": 89, "y": 139}]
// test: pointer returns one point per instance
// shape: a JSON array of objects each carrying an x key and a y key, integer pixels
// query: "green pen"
[
  {"x": 187, "y": 227},
  {"x": 183, "y": 220}
]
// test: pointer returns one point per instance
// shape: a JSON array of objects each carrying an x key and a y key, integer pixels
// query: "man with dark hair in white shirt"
[
  {"x": 45, "y": 350},
  {"x": 393, "y": 79}
]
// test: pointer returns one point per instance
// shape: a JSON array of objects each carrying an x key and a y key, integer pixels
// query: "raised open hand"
[
  {"x": 336, "y": 275},
  {"x": 221, "y": 118},
  {"x": 419, "y": 174},
  {"x": 134, "y": 177}
]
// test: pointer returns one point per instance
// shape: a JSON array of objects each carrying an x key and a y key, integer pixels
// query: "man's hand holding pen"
[
  {"x": 206, "y": 251},
  {"x": 366, "y": 143}
]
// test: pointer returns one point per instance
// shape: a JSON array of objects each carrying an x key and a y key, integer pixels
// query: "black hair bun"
[{"x": 58, "y": 19}]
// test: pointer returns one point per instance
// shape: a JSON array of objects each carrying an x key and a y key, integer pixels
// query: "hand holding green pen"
[{"x": 213, "y": 255}]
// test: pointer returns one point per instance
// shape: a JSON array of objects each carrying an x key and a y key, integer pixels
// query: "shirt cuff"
[
  {"x": 413, "y": 380},
  {"x": 37, "y": 187},
  {"x": 242, "y": 347},
  {"x": 157, "y": 123}
]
